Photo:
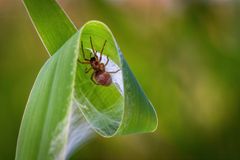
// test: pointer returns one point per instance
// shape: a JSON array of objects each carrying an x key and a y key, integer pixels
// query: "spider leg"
[
  {"x": 114, "y": 71},
  {"x": 84, "y": 62},
  {"x": 107, "y": 61},
  {"x": 94, "y": 52},
  {"x": 102, "y": 50},
  {"x": 87, "y": 70},
  {"x": 83, "y": 52},
  {"x": 93, "y": 79}
]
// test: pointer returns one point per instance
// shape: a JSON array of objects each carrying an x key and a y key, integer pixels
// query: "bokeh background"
[{"x": 185, "y": 54}]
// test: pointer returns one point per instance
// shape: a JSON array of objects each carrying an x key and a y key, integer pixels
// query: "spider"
[{"x": 99, "y": 76}]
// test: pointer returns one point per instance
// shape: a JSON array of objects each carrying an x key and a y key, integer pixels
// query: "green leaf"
[
  {"x": 63, "y": 91},
  {"x": 118, "y": 109},
  {"x": 51, "y": 23}
]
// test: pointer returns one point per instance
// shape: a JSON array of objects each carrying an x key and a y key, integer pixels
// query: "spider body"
[
  {"x": 99, "y": 76},
  {"x": 102, "y": 78}
]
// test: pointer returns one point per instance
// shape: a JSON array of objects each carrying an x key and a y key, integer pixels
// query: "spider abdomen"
[{"x": 102, "y": 78}]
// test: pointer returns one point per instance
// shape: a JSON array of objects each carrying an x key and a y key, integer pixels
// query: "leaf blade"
[
  {"x": 48, "y": 103},
  {"x": 135, "y": 114},
  {"x": 117, "y": 115},
  {"x": 52, "y": 24}
]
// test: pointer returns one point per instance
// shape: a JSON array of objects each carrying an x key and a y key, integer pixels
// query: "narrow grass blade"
[{"x": 51, "y": 23}]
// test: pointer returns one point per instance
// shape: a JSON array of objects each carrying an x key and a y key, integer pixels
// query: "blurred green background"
[{"x": 185, "y": 54}]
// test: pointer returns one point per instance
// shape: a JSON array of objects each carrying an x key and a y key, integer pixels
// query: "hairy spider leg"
[
  {"x": 93, "y": 79},
  {"x": 90, "y": 53},
  {"x": 84, "y": 62},
  {"x": 94, "y": 52},
  {"x": 114, "y": 71},
  {"x": 87, "y": 61},
  {"x": 107, "y": 61},
  {"x": 83, "y": 52},
  {"x": 102, "y": 50},
  {"x": 88, "y": 69}
]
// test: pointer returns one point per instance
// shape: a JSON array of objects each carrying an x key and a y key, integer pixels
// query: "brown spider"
[{"x": 99, "y": 76}]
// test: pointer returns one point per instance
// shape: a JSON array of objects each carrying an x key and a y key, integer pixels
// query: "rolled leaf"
[{"x": 63, "y": 93}]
